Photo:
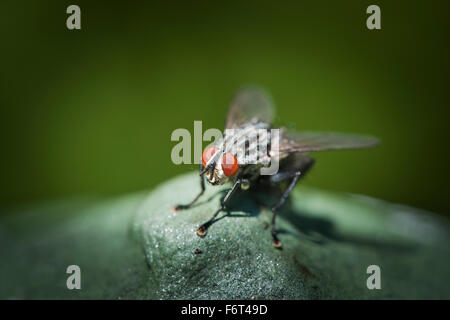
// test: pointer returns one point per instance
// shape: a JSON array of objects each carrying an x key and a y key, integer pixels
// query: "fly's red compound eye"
[
  {"x": 207, "y": 154},
  {"x": 230, "y": 164}
]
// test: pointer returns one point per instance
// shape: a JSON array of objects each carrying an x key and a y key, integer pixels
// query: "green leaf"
[{"x": 135, "y": 247}]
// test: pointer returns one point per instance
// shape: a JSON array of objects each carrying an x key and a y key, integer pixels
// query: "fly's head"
[{"x": 218, "y": 167}]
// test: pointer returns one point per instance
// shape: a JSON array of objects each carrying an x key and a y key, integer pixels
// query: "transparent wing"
[
  {"x": 292, "y": 141},
  {"x": 250, "y": 104}
]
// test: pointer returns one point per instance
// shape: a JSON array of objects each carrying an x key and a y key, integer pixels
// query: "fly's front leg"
[
  {"x": 201, "y": 231},
  {"x": 202, "y": 186}
]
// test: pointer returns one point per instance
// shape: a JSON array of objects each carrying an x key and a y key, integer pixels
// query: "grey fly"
[{"x": 239, "y": 159}]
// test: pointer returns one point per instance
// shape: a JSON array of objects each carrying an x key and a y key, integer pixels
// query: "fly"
[{"x": 250, "y": 114}]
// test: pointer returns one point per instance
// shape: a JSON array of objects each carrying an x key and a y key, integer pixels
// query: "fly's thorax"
[{"x": 250, "y": 146}]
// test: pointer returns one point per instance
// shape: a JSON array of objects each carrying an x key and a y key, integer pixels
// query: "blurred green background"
[{"x": 92, "y": 111}]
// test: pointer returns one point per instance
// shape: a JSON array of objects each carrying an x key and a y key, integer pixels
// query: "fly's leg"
[
  {"x": 295, "y": 168},
  {"x": 202, "y": 186},
  {"x": 201, "y": 231},
  {"x": 275, "y": 241}
]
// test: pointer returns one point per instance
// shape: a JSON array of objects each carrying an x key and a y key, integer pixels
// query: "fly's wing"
[
  {"x": 250, "y": 104},
  {"x": 292, "y": 141}
]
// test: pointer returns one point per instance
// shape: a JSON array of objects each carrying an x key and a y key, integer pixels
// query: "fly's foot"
[
  {"x": 276, "y": 242},
  {"x": 179, "y": 207},
  {"x": 201, "y": 231}
]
